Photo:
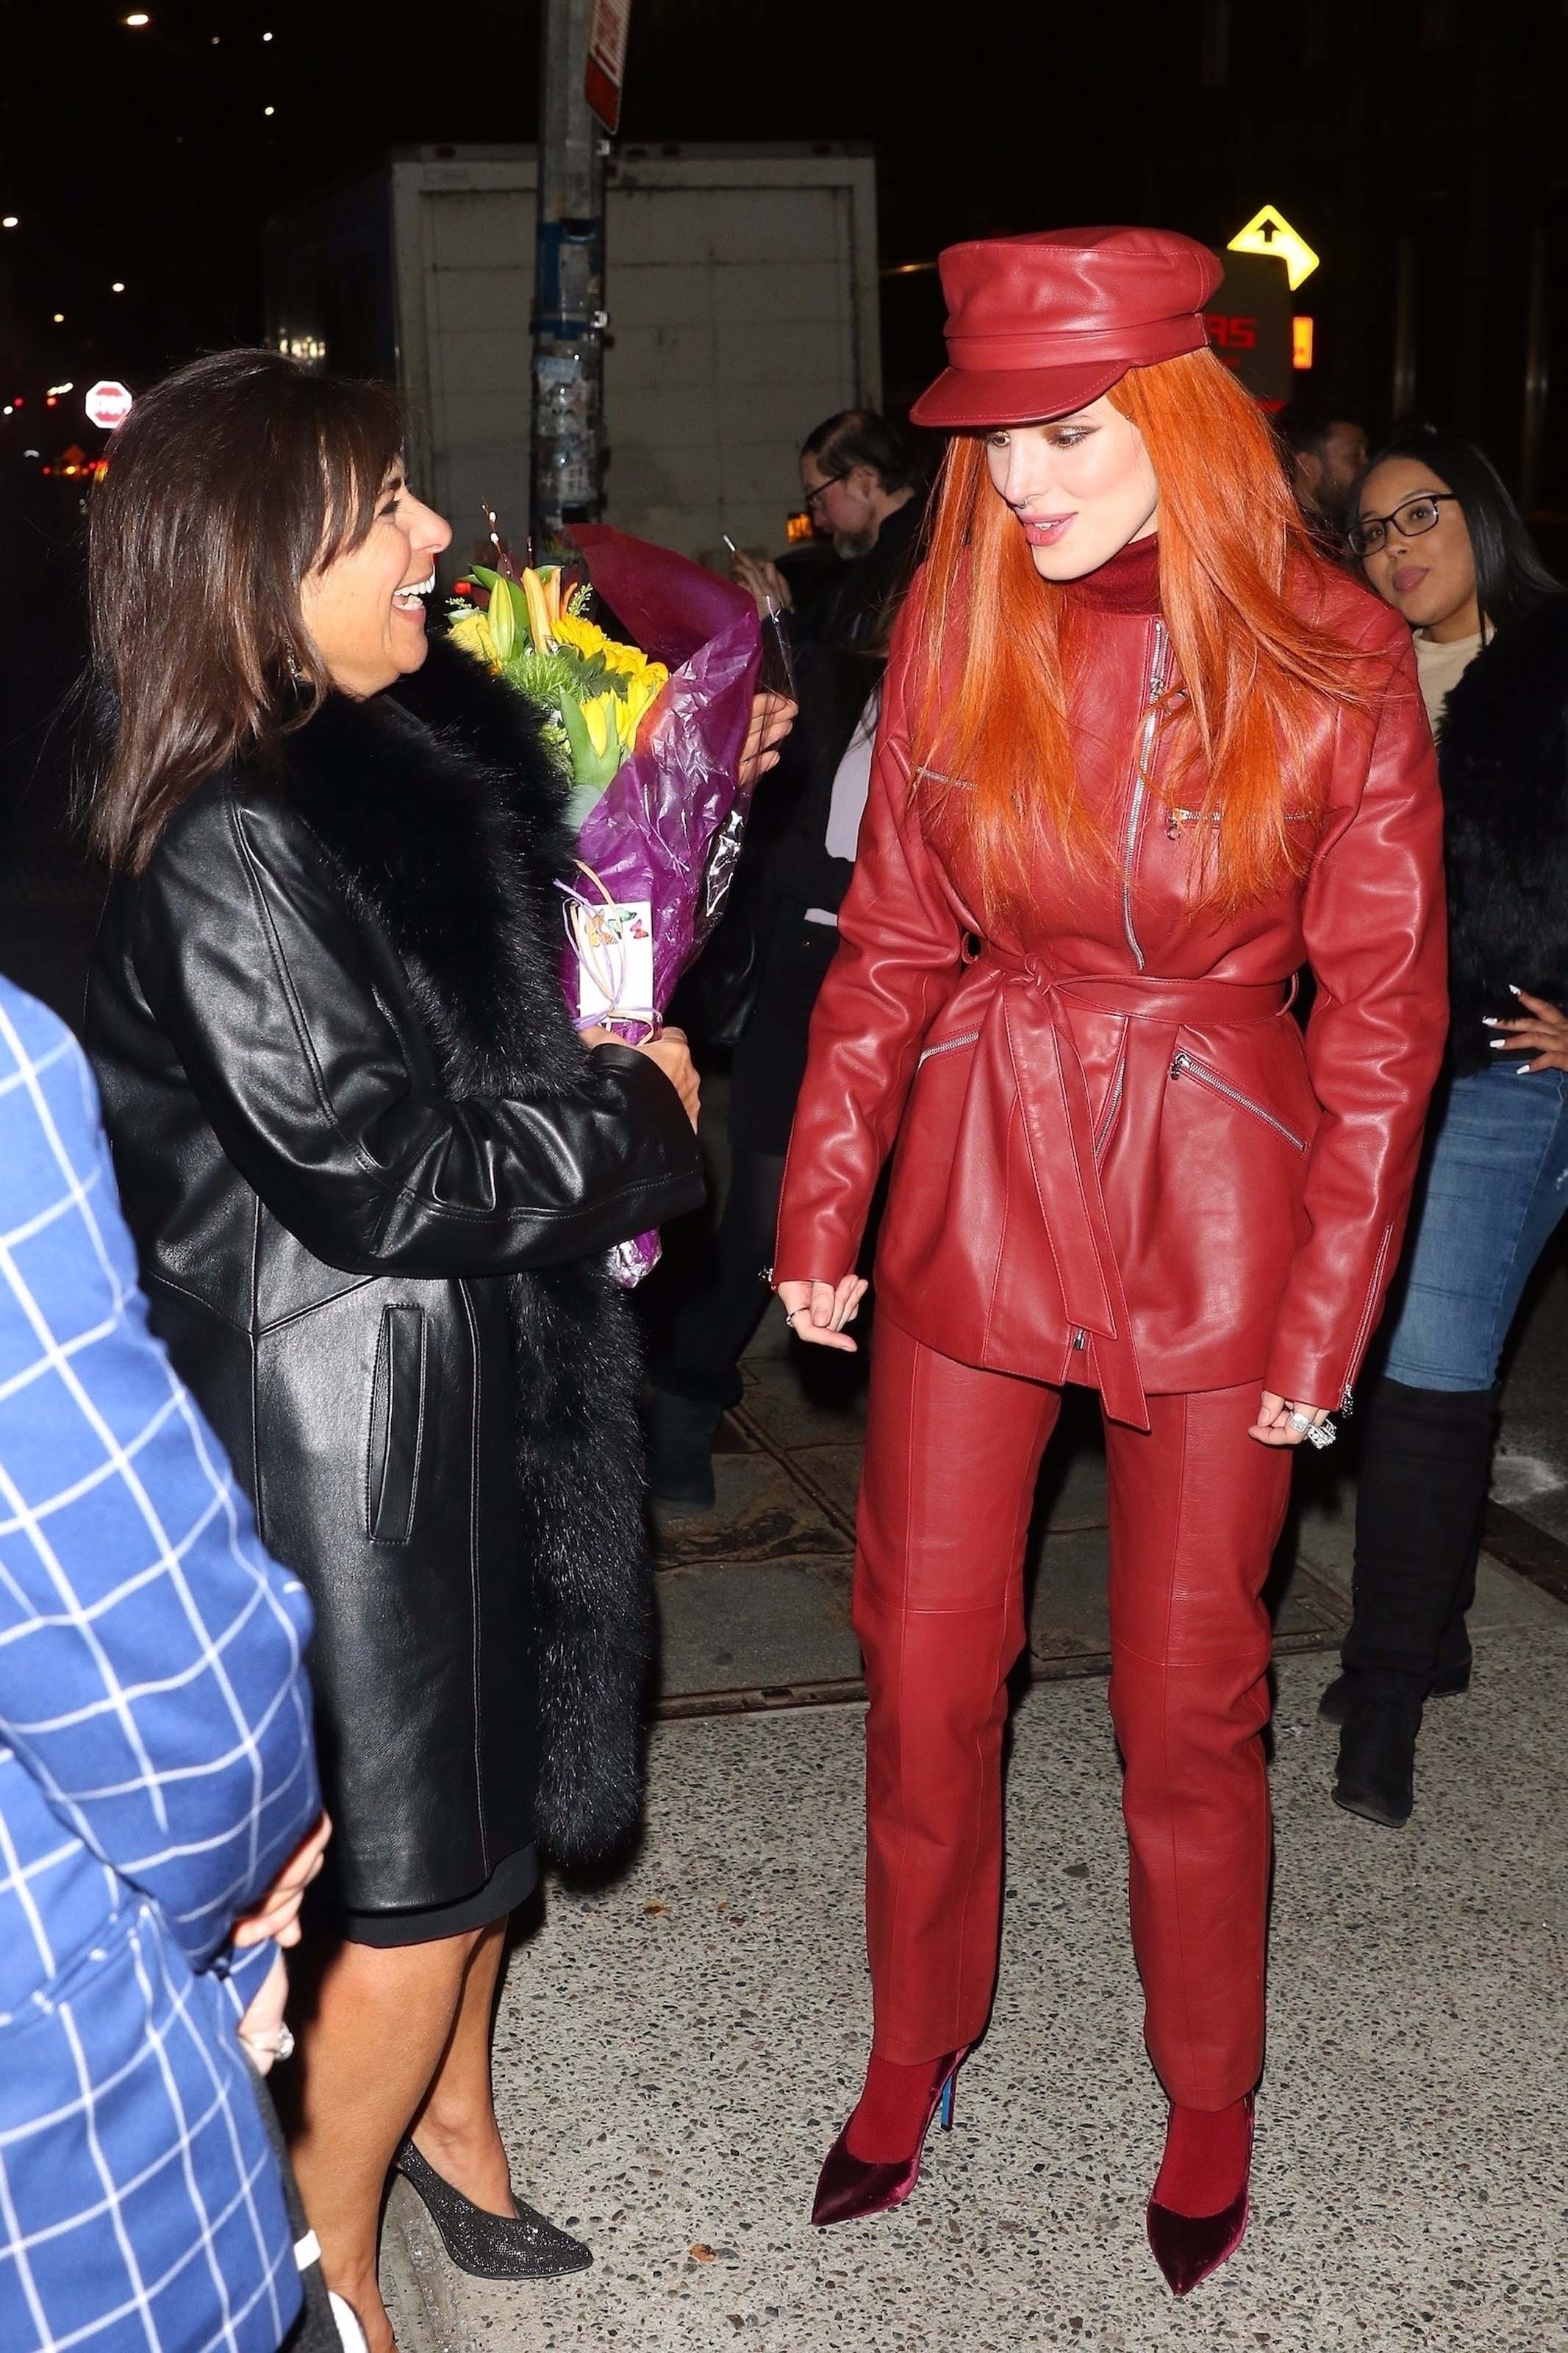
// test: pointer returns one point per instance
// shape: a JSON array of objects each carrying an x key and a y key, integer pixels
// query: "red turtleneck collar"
[{"x": 1128, "y": 583}]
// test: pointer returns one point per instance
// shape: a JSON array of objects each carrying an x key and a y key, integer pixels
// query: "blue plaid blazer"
[{"x": 155, "y": 1769}]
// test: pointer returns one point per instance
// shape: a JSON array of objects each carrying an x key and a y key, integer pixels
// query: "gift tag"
[{"x": 615, "y": 960}]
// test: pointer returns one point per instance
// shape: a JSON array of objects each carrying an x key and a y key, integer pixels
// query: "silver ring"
[
  {"x": 276, "y": 2046},
  {"x": 794, "y": 1312},
  {"x": 1300, "y": 1420},
  {"x": 1322, "y": 1434}
]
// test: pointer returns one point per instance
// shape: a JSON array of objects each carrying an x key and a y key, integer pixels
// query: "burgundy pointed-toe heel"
[
  {"x": 850, "y": 2187},
  {"x": 1188, "y": 2247}
]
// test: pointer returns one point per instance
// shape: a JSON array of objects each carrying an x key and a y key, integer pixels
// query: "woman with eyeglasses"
[{"x": 1441, "y": 541}]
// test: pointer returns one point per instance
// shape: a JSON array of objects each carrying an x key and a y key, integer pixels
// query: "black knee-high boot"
[
  {"x": 1452, "y": 1673},
  {"x": 1426, "y": 1459}
]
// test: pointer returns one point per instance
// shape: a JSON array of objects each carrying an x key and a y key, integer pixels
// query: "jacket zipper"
[
  {"x": 1187, "y": 1065},
  {"x": 1113, "y": 1104},
  {"x": 948, "y": 1046},
  {"x": 1347, "y": 1396},
  {"x": 1154, "y": 689},
  {"x": 1180, "y": 817}
]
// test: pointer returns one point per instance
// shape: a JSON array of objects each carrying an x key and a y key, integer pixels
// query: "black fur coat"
[
  {"x": 373, "y": 1174},
  {"x": 1502, "y": 753}
]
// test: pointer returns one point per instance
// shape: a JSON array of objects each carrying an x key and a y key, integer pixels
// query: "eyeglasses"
[
  {"x": 817, "y": 489},
  {"x": 1410, "y": 518}
]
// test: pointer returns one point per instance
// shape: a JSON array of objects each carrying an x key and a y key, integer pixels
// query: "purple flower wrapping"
[
  {"x": 667, "y": 828},
  {"x": 650, "y": 833}
]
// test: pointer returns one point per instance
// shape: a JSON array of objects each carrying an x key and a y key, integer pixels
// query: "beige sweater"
[{"x": 1440, "y": 668}]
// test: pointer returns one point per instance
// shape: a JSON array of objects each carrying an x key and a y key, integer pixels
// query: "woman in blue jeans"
[{"x": 1441, "y": 541}]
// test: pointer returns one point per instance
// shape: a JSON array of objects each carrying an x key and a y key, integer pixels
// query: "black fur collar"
[
  {"x": 441, "y": 812},
  {"x": 1506, "y": 721}
]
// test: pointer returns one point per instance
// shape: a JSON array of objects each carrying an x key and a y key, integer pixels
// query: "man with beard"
[
  {"x": 1325, "y": 454},
  {"x": 858, "y": 480}
]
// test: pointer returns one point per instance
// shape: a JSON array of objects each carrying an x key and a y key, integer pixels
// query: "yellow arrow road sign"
[{"x": 1268, "y": 231}]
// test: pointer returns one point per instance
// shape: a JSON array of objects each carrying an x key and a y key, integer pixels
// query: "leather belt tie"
[{"x": 1029, "y": 1030}]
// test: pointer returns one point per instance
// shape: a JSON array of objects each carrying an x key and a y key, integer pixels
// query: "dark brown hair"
[
  {"x": 227, "y": 483},
  {"x": 860, "y": 437}
]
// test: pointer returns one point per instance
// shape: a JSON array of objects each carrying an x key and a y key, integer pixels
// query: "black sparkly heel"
[{"x": 490, "y": 2246}]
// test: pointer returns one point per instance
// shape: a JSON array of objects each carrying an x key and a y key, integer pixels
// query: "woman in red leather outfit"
[{"x": 1142, "y": 756}]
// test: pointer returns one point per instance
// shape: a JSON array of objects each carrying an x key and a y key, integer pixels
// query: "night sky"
[
  {"x": 1430, "y": 130},
  {"x": 147, "y": 156}
]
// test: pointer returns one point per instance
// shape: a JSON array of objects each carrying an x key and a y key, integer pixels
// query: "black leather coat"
[{"x": 371, "y": 1173}]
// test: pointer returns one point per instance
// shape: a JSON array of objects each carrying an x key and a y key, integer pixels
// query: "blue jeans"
[{"x": 1492, "y": 1192}]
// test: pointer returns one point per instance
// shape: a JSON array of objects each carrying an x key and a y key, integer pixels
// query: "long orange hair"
[{"x": 993, "y": 646}]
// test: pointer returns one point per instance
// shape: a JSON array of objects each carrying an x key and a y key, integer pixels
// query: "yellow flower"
[
  {"x": 584, "y": 637},
  {"x": 590, "y": 727},
  {"x": 642, "y": 692},
  {"x": 472, "y": 630},
  {"x": 599, "y": 717},
  {"x": 538, "y": 607}
]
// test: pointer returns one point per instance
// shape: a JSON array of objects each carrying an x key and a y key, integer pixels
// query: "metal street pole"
[{"x": 569, "y": 283}]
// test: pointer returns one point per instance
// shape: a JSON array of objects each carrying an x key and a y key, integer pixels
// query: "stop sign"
[{"x": 108, "y": 403}]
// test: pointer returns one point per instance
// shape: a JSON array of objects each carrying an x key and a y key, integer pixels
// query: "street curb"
[{"x": 1519, "y": 1545}]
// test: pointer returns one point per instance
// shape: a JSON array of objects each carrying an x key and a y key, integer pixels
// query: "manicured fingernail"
[
  {"x": 1524, "y": 1070},
  {"x": 1514, "y": 992},
  {"x": 1490, "y": 1022},
  {"x": 1504, "y": 1043}
]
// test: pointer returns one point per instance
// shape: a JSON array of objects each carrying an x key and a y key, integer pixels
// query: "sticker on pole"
[
  {"x": 108, "y": 403},
  {"x": 607, "y": 59}
]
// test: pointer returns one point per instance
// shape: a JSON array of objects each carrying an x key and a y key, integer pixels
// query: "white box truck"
[{"x": 743, "y": 298}]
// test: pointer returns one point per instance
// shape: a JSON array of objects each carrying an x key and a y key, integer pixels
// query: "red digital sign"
[{"x": 1249, "y": 325}]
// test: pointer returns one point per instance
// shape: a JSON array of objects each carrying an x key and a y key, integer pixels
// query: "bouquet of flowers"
[
  {"x": 592, "y": 693},
  {"x": 649, "y": 737}
]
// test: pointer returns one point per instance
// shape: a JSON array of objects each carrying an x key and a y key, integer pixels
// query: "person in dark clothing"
[
  {"x": 862, "y": 487},
  {"x": 856, "y": 473},
  {"x": 373, "y": 1174},
  {"x": 1325, "y": 454},
  {"x": 1439, "y": 538}
]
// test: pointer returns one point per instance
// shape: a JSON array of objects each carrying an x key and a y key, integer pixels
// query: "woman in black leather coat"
[{"x": 373, "y": 1174}]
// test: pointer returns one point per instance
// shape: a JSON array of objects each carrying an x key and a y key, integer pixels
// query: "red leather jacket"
[{"x": 1117, "y": 1160}]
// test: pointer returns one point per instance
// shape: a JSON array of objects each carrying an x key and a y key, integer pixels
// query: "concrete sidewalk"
[{"x": 675, "y": 2051}]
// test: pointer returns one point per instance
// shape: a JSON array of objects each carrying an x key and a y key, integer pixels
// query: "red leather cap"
[{"x": 1042, "y": 324}]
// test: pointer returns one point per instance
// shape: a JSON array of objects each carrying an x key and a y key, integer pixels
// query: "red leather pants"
[{"x": 1195, "y": 1511}]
